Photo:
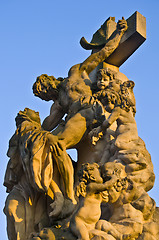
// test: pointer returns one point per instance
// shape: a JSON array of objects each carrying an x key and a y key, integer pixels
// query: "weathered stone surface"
[
  {"x": 131, "y": 40},
  {"x": 103, "y": 195}
]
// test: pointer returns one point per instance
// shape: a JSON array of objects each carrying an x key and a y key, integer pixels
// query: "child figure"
[
  {"x": 122, "y": 109},
  {"x": 105, "y": 80},
  {"x": 91, "y": 191}
]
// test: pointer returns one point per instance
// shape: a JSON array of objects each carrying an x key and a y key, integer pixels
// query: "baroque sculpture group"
[{"x": 104, "y": 194}]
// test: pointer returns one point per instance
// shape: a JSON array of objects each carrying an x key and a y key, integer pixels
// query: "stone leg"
[
  {"x": 76, "y": 126},
  {"x": 79, "y": 229},
  {"x": 107, "y": 227},
  {"x": 100, "y": 235},
  {"x": 57, "y": 204}
]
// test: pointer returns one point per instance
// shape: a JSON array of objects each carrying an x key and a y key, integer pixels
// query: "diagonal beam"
[{"x": 130, "y": 42}]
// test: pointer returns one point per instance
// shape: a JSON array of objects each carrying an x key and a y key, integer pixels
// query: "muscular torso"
[{"x": 77, "y": 85}]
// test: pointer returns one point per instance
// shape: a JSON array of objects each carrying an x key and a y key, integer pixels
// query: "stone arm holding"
[
  {"x": 56, "y": 115},
  {"x": 93, "y": 60},
  {"x": 100, "y": 187},
  {"x": 107, "y": 123},
  {"x": 111, "y": 119}
]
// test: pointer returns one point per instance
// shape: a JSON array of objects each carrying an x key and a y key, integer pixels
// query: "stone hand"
[
  {"x": 57, "y": 145},
  {"x": 95, "y": 135},
  {"x": 44, "y": 234},
  {"x": 95, "y": 132},
  {"x": 122, "y": 25}
]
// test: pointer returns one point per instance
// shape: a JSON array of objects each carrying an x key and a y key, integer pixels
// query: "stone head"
[
  {"x": 104, "y": 76},
  {"x": 28, "y": 115},
  {"x": 46, "y": 87},
  {"x": 127, "y": 96},
  {"x": 110, "y": 100},
  {"x": 114, "y": 168},
  {"x": 90, "y": 173}
]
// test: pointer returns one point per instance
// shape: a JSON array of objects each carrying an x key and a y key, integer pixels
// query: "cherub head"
[
  {"x": 87, "y": 174},
  {"x": 110, "y": 100},
  {"x": 104, "y": 76},
  {"x": 114, "y": 168},
  {"x": 127, "y": 96},
  {"x": 46, "y": 87},
  {"x": 90, "y": 173}
]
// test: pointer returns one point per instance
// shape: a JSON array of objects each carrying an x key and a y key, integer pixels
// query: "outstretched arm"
[
  {"x": 100, "y": 187},
  {"x": 98, "y": 132},
  {"x": 56, "y": 114},
  {"x": 93, "y": 60}
]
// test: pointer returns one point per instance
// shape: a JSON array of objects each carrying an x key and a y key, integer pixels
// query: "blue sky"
[{"x": 38, "y": 36}]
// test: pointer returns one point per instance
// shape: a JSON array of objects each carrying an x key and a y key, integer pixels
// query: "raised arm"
[
  {"x": 112, "y": 118},
  {"x": 99, "y": 187},
  {"x": 93, "y": 60},
  {"x": 56, "y": 114},
  {"x": 96, "y": 133}
]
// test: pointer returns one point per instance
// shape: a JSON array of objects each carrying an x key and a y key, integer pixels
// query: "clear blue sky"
[{"x": 38, "y": 36}]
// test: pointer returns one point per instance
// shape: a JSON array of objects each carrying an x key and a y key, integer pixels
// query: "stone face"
[{"x": 103, "y": 195}]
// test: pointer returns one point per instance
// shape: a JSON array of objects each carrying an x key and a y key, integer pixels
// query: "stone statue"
[
  {"x": 92, "y": 192},
  {"x": 104, "y": 194},
  {"x": 73, "y": 95}
]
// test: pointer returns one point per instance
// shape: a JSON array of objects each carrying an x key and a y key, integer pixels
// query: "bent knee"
[
  {"x": 10, "y": 207},
  {"x": 103, "y": 225},
  {"x": 14, "y": 209}
]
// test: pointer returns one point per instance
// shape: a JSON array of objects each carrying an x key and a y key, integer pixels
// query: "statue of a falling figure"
[{"x": 73, "y": 95}]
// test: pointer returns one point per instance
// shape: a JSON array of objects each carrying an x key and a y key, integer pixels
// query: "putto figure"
[
  {"x": 122, "y": 108},
  {"x": 92, "y": 191}
]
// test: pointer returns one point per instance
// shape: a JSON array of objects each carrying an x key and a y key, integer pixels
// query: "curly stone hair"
[
  {"x": 123, "y": 98},
  {"x": 117, "y": 169},
  {"x": 108, "y": 95},
  {"x": 85, "y": 177},
  {"x": 108, "y": 72},
  {"x": 85, "y": 173},
  {"x": 103, "y": 71},
  {"x": 51, "y": 85},
  {"x": 126, "y": 101}
]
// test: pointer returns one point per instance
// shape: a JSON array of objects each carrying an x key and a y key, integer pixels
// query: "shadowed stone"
[{"x": 131, "y": 40}]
